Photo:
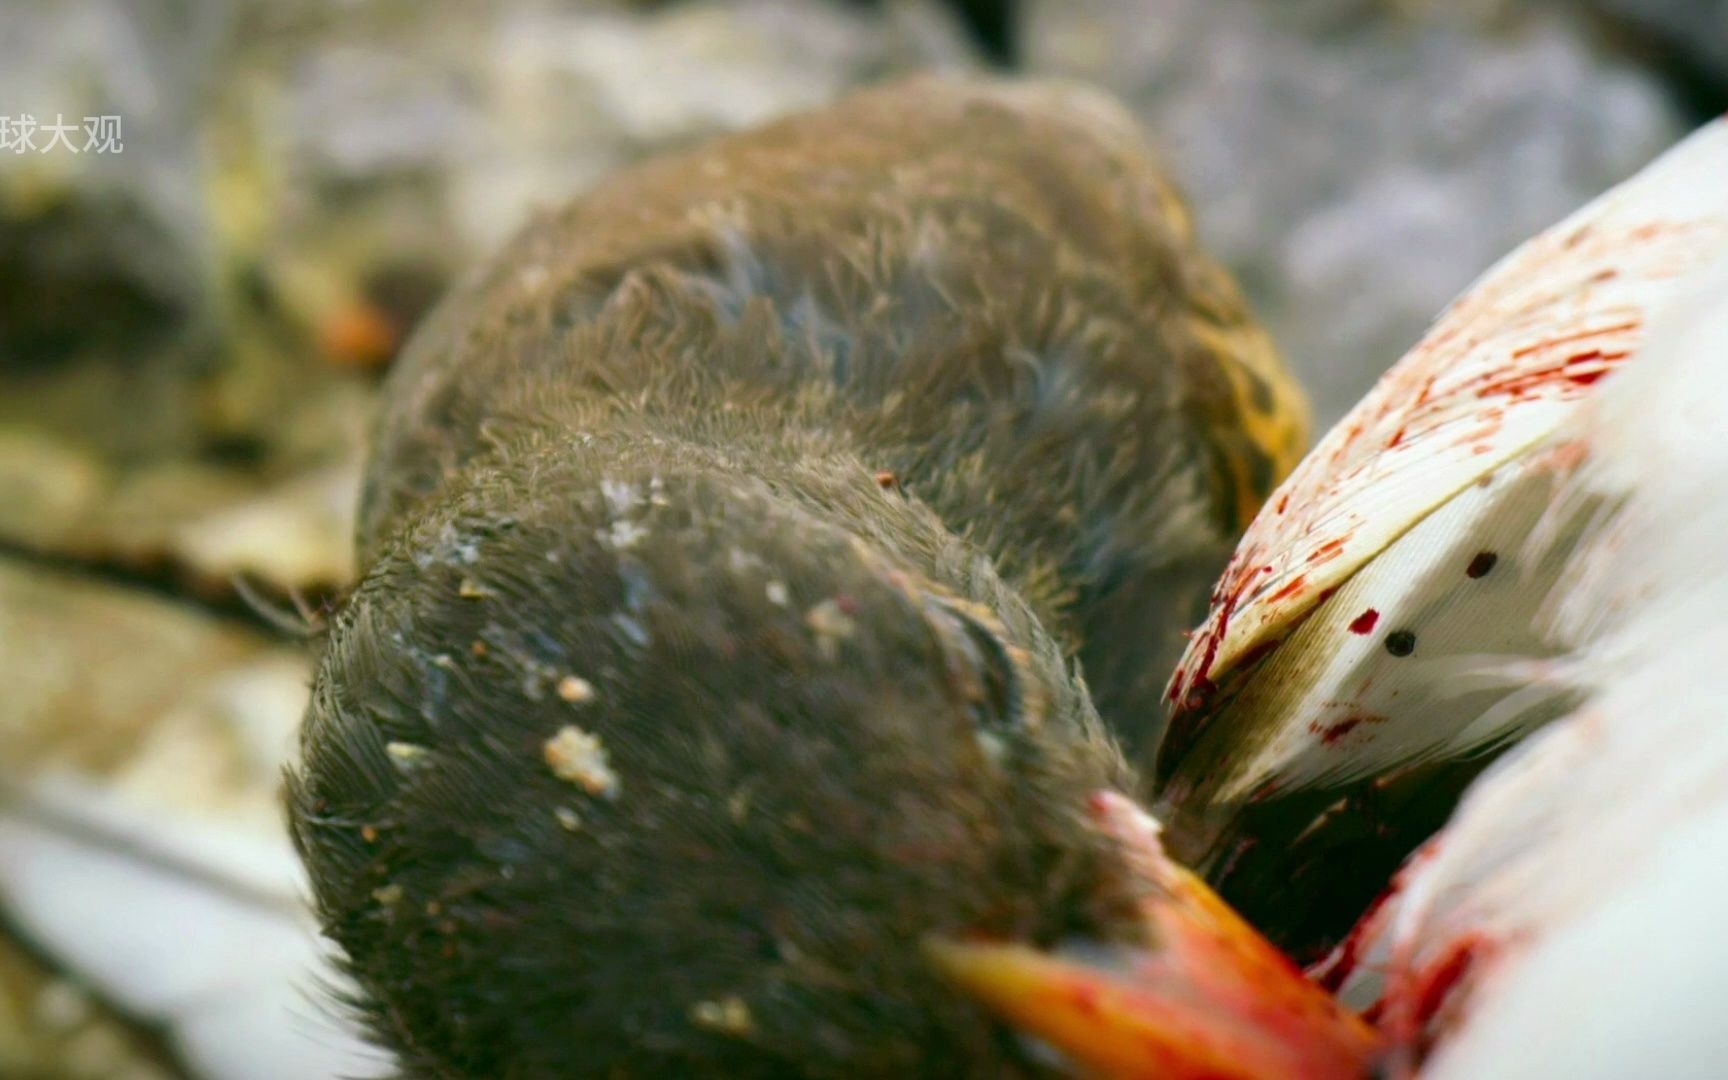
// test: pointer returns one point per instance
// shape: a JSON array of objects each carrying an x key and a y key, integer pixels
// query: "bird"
[
  {"x": 1378, "y": 639},
  {"x": 1579, "y": 877},
  {"x": 770, "y": 562}
]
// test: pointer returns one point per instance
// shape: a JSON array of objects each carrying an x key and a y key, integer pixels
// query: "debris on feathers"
[
  {"x": 578, "y": 757},
  {"x": 406, "y": 755},
  {"x": 575, "y": 690},
  {"x": 728, "y": 1016},
  {"x": 622, "y": 535},
  {"x": 831, "y": 625}
]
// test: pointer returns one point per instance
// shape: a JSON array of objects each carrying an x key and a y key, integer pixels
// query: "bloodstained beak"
[{"x": 1209, "y": 999}]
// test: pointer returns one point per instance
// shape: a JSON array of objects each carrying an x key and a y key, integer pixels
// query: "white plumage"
[
  {"x": 1566, "y": 922},
  {"x": 1453, "y": 457},
  {"x": 1455, "y": 565}
]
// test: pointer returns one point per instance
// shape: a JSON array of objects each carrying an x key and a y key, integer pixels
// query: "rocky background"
[{"x": 191, "y": 329}]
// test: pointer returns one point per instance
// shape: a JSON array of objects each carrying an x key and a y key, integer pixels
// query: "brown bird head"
[{"x": 644, "y": 770}]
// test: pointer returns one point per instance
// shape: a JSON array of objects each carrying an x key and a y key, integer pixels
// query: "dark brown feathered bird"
[{"x": 731, "y": 545}]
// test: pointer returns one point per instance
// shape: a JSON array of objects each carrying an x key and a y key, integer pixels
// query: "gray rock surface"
[{"x": 1358, "y": 165}]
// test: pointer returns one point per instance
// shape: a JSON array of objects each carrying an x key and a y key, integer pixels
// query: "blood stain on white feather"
[
  {"x": 580, "y": 758},
  {"x": 1539, "y": 329}
]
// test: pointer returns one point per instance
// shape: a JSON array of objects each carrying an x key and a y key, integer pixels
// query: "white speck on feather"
[
  {"x": 739, "y": 561},
  {"x": 580, "y": 758},
  {"x": 623, "y": 535},
  {"x": 729, "y": 1016},
  {"x": 575, "y": 689},
  {"x": 406, "y": 755},
  {"x": 568, "y": 819},
  {"x": 621, "y": 497},
  {"x": 831, "y": 626},
  {"x": 778, "y": 594}
]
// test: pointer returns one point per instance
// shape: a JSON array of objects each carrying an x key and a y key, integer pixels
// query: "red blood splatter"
[
  {"x": 1291, "y": 588},
  {"x": 1199, "y": 693},
  {"x": 1331, "y": 733},
  {"x": 1227, "y": 865},
  {"x": 1200, "y": 687},
  {"x": 1284, "y": 502},
  {"x": 1086, "y": 999},
  {"x": 1365, "y": 622},
  {"x": 1328, "y": 551},
  {"x": 1572, "y": 371},
  {"x": 1435, "y": 984},
  {"x": 1340, "y": 963},
  {"x": 1582, "y": 335}
]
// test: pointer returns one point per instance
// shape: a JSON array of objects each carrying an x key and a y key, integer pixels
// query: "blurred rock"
[
  {"x": 301, "y": 177},
  {"x": 142, "y": 745},
  {"x": 185, "y": 323},
  {"x": 52, "y": 1029},
  {"x": 132, "y": 690},
  {"x": 183, "y": 524},
  {"x": 1357, "y": 162}
]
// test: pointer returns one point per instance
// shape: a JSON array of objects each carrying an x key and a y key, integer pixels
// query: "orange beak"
[{"x": 1211, "y": 999}]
